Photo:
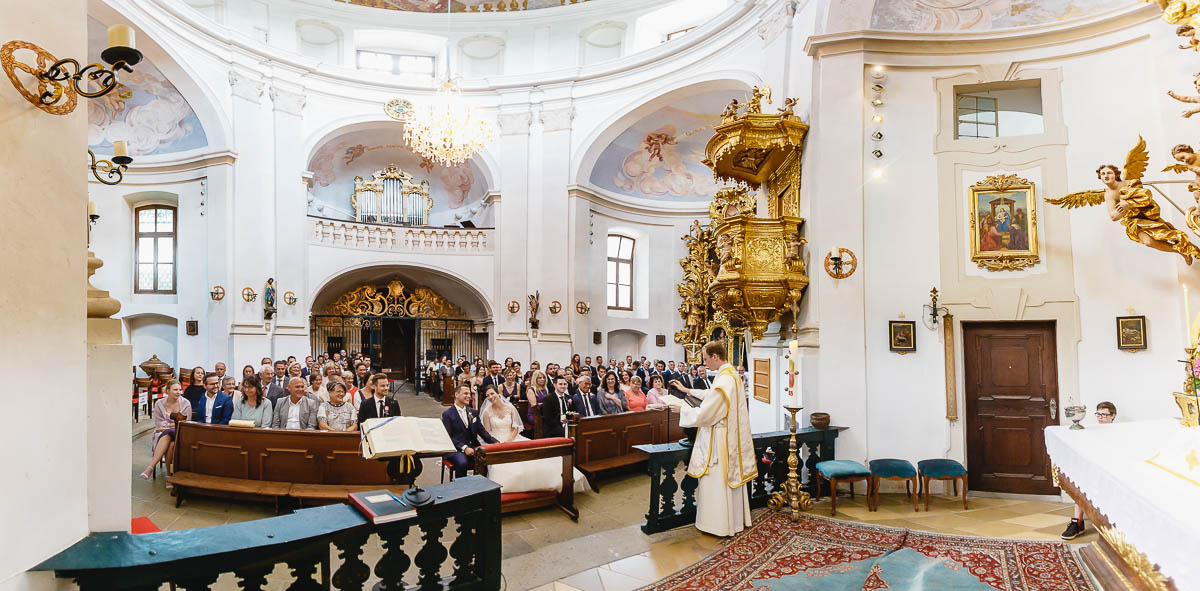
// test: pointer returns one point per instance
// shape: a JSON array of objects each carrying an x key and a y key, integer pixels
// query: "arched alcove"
[
  {"x": 153, "y": 334},
  {"x": 625, "y": 341}
]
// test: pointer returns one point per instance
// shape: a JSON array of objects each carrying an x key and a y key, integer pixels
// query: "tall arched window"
[
  {"x": 154, "y": 249},
  {"x": 620, "y": 272}
]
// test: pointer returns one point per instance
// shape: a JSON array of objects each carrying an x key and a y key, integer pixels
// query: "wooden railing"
[
  {"x": 667, "y": 511},
  {"x": 349, "y": 234},
  {"x": 305, "y": 541}
]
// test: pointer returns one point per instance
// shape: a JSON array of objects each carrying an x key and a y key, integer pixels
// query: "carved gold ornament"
[
  {"x": 54, "y": 90},
  {"x": 1179, "y": 12},
  {"x": 555, "y": 307},
  {"x": 1003, "y": 223},
  {"x": 1054, "y": 474},
  {"x": 394, "y": 299},
  {"x": 748, "y": 149},
  {"x": 289, "y": 298},
  {"x": 1136, "y": 561},
  {"x": 514, "y": 306},
  {"x": 217, "y": 293},
  {"x": 842, "y": 268},
  {"x": 582, "y": 307},
  {"x": 699, "y": 268},
  {"x": 248, "y": 294}
]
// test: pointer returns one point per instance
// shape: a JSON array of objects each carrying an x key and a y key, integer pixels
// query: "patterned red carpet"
[{"x": 817, "y": 553}]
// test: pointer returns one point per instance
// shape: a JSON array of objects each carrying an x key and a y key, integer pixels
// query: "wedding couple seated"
[{"x": 498, "y": 421}]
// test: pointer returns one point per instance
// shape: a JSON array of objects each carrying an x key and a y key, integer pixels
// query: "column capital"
[
  {"x": 245, "y": 85},
  {"x": 557, "y": 119},
  {"x": 515, "y": 123},
  {"x": 287, "y": 101}
]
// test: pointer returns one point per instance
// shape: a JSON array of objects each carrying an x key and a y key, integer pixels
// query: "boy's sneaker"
[{"x": 1074, "y": 530}]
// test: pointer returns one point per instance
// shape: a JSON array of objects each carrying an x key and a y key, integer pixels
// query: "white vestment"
[{"x": 722, "y": 460}]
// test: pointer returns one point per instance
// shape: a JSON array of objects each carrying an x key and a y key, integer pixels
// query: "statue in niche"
[
  {"x": 1131, "y": 205},
  {"x": 1188, "y": 32},
  {"x": 1188, "y": 162},
  {"x": 1189, "y": 99},
  {"x": 269, "y": 299},
  {"x": 534, "y": 304}
]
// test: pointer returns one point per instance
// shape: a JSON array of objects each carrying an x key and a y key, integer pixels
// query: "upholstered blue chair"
[
  {"x": 836, "y": 471},
  {"x": 890, "y": 469},
  {"x": 942, "y": 469}
]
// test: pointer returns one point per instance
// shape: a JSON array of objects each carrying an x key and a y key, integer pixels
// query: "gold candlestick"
[{"x": 791, "y": 495}]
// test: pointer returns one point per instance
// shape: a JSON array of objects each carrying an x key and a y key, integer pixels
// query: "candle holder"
[
  {"x": 113, "y": 172},
  {"x": 61, "y": 81},
  {"x": 791, "y": 495}
]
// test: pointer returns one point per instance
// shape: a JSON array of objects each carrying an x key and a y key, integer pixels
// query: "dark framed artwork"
[
  {"x": 660, "y": 340},
  {"x": 193, "y": 327},
  {"x": 1131, "y": 333},
  {"x": 902, "y": 336},
  {"x": 596, "y": 337}
]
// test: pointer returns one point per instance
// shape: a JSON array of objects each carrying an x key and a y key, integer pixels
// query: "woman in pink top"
[
  {"x": 656, "y": 392},
  {"x": 164, "y": 425}
]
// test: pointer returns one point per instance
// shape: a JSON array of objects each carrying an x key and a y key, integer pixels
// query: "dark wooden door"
[{"x": 1011, "y": 377}]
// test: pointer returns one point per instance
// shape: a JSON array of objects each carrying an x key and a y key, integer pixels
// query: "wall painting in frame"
[
  {"x": 1131, "y": 333},
  {"x": 1004, "y": 232}
]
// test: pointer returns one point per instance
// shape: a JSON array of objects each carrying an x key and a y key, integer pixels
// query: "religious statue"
[
  {"x": 269, "y": 299},
  {"x": 794, "y": 244},
  {"x": 533, "y": 309},
  {"x": 1189, "y": 162},
  {"x": 1132, "y": 205},
  {"x": 789, "y": 107},
  {"x": 1188, "y": 32},
  {"x": 1189, "y": 99},
  {"x": 723, "y": 453},
  {"x": 758, "y": 95},
  {"x": 731, "y": 110}
]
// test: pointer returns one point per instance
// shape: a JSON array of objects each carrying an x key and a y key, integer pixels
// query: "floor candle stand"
[{"x": 792, "y": 495}]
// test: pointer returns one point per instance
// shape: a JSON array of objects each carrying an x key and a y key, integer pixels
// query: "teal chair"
[
  {"x": 890, "y": 469},
  {"x": 836, "y": 471},
  {"x": 942, "y": 469}
]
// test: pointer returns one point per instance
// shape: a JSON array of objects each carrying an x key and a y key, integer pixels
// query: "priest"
[{"x": 723, "y": 453}]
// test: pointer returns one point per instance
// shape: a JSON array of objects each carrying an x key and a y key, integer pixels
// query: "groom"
[{"x": 465, "y": 430}]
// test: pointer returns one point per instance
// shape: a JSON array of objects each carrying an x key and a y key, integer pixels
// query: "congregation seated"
[
  {"x": 584, "y": 401},
  {"x": 252, "y": 405},
  {"x": 378, "y": 405},
  {"x": 337, "y": 414},
  {"x": 611, "y": 397},
  {"x": 167, "y": 410},
  {"x": 297, "y": 410},
  {"x": 195, "y": 389},
  {"x": 465, "y": 431},
  {"x": 272, "y": 390},
  {"x": 215, "y": 407},
  {"x": 555, "y": 408},
  {"x": 538, "y": 390}
]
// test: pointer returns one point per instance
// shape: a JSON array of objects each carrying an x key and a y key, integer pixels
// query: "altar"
[{"x": 1139, "y": 484}]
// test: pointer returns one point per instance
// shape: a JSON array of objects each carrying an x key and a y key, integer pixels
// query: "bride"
[{"x": 502, "y": 420}]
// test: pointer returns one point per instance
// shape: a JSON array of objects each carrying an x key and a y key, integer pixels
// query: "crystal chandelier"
[{"x": 444, "y": 129}]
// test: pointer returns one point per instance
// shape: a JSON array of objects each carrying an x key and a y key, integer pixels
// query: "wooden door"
[{"x": 1011, "y": 375}]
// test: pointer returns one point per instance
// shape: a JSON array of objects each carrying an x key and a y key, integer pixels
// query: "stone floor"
[{"x": 606, "y": 551}]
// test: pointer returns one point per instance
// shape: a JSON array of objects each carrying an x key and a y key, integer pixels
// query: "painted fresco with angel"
[{"x": 1132, "y": 205}]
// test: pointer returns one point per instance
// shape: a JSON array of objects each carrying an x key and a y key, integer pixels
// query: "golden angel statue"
[
  {"x": 757, "y": 95},
  {"x": 1132, "y": 205},
  {"x": 1179, "y": 12},
  {"x": 1188, "y": 161}
]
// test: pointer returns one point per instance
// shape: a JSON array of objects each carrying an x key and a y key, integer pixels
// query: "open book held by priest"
[{"x": 404, "y": 436}]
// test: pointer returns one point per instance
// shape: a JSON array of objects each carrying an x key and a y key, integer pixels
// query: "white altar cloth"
[{"x": 1159, "y": 513}]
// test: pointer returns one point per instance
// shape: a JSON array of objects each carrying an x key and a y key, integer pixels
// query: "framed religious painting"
[
  {"x": 902, "y": 336},
  {"x": 1131, "y": 333},
  {"x": 1004, "y": 225}
]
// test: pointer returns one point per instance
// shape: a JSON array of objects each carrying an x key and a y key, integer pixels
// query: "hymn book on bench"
[
  {"x": 381, "y": 506},
  {"x": 403, "y": 436}
]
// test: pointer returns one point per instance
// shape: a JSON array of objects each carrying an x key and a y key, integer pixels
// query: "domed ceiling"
[
  {"x": 461, "y": 5},
  {"x": 982, "y": 15}
]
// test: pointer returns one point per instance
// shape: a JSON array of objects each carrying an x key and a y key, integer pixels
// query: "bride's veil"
[{"x": 487, "y": 408}]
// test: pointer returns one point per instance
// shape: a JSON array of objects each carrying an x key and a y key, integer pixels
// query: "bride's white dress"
[{"x": 530, "y": 475}]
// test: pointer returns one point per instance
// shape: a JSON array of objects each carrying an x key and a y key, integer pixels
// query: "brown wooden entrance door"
[{"x": 1011, "y": 376}]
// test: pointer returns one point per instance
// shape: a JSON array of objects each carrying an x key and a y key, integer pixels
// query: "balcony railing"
[
  {"x": 348, "y": 234},
  {"x": 305, "y": 541}
]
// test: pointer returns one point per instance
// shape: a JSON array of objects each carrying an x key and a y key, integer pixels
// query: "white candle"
[
  {"x": 120, "y": 148},
  {"x": 793, "y": 394},
  {"x": 91, "y": 208},
  {"x": 120, "y": 36},
  {"x": 1187, "y": 318},
  {"x": 835, "y": 252}
]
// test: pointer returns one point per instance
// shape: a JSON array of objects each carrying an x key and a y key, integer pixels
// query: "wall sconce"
[
  {"x": 120, "y": 54},
  {"x": 289, "y": 298},
  {"x": 248, "y": 294},
  {"x": 877, "y": 118},
  {"x": 582, "y": 307},
  {"x": 217, "y": 293},
  {"x": 514, "y": 307},
  {"x": 877, "y": 101},
  {"x": 877, "y": 87},
  {"x": 840, "y": 263},
  {"x": 878, "y": 73},
  {"x": 113, "y": 171},
  {"x": 555, "y": 307},
  {"x": 877, "y": 135},
  {"x": 934, "y": 310},
  {"x": 877, "y": 153}
]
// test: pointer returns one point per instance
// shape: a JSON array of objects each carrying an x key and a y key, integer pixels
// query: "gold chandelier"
[{"x": 444, "y": 129}]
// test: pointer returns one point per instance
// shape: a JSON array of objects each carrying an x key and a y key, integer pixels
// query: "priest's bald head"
[{"x": 713, "y": 355}]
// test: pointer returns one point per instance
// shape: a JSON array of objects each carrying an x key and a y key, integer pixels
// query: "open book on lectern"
[{"x": 402, "y": 436}]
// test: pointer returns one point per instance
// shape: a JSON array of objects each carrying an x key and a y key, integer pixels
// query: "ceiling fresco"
[
  {"x": 659, "y": 156},
  {"x": 982, "y": 15},
  {"x": 461, "y": 5}
]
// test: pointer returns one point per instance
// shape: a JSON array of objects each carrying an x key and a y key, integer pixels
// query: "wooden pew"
[
  {"x": 519, "y": 451},
  {"x": 605, "y": 443},
  {"x": 234, "y": 462}
]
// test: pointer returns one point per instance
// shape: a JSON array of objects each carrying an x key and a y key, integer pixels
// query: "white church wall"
[{"x": 42, "y": 312}]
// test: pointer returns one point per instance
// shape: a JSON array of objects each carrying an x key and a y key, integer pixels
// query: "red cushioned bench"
[{"x": 519, "y": 451}]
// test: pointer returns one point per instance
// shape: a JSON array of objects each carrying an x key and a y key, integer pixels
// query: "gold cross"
[
  {"x": 1130, "y": 310},
  {"x": 902, "y": 315}
]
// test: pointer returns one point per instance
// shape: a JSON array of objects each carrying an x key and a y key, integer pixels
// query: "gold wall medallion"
[
  {"x": 1003, "y": 223},
  {"x": 394, "y": 299},
  {"x": 555, "y": 307},
  {"x": 248, "y": 294},
  {"x": 844, "y": 266},
  {"x": 582, "y": 307},
  {"x": 289, "y": 298},
  {"x": 514, "y": 307},
  {"x": 45, "y": 87}
]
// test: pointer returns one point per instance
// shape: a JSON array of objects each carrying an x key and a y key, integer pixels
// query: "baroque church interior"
[{"x": 599, "y": 295}]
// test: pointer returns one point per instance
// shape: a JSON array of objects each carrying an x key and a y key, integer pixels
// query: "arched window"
[
  {"x": 154, "y": 249},
  {"x": 620, "y": 272}
]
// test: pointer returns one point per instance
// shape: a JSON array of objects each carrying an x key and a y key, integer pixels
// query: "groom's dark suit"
[{"x": 464, "y": 435}]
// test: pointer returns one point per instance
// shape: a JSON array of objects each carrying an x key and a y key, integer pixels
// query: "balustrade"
[
  {"x": 348, "y": 234},
  {"x": 666, "y": 459},
  {"x": 304, "y": 541}
]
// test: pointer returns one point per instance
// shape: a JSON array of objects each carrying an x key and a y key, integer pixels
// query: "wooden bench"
[
  {"x": 493, "y": 454},
  {"x": 604, "y": 444},
  {"x": 269, "y": 464}
]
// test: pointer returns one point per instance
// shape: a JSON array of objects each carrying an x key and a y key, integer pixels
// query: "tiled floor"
[{"x": 606, "y": 550}]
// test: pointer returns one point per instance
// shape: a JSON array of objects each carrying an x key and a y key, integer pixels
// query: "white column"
[
  {"x": 291, "y": 205},
  {"x": 550, "y": 254},
  {"x": 513, "y": 230}
]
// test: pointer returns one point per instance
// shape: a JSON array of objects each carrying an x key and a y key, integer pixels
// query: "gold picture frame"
[
  {"x": 1131, "y": 333},
  {"x": 1004, "y": 224}
]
